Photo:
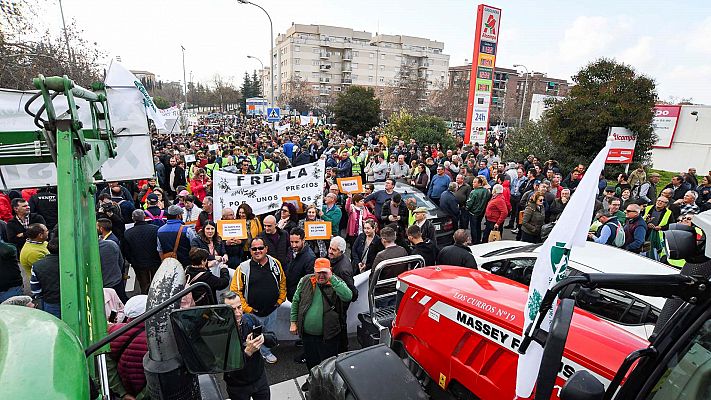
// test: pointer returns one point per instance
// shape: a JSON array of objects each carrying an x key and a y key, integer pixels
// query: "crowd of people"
[{"x": 172, "y": 214}]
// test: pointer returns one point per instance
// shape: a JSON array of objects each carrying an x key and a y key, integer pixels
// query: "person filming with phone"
[{"x": 250, "y": 381}]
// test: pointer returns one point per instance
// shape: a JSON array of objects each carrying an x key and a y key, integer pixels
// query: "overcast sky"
[{"x": 668, "y": 41}]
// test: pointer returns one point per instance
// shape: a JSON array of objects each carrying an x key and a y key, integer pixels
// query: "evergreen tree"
[
  {"x": 257, "y": 85},
  {"x": 246, "y": 90}
]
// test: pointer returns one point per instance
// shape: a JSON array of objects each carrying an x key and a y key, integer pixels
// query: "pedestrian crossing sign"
[{"x": 273, "y": 114}]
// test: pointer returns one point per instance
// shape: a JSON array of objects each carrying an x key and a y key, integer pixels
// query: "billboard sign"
[
  {"x": 622, "y": 147},
  {"x": 664, "y": 124},
  {"x": 481, "y": 85}
]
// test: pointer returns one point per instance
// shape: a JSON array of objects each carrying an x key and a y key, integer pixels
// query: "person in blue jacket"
[{"x": 438, "y": 184}]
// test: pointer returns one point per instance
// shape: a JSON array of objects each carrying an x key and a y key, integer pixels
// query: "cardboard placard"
[
  {"x": 213, "y": 147},
  {"x": 189, "y": 158},
  {"x": 232, "y": 229},
  {"x": 317, "y": 230},
  {"x": 296, "y": 201},
  {"x": 353, "y": 184}
]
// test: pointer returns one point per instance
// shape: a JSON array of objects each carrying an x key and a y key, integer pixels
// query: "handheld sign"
[
  {"x": 317, "y": 230},
  {"x": 189, "y": 158},
  {"x": 349, "y": 185},
  {"x": 232, "y": 229},
  {"x": 296, "y": 201},
  {"x": 213, "y": 147}
]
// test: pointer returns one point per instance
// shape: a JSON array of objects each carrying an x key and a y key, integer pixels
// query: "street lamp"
[
  {"x": 525, "y": 92},
  {"x": 271, "y": 51},
  {"x": 185, "y": 81},
  {"x": 260, "y": 61}
]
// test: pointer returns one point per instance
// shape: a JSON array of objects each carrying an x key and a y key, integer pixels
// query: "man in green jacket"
[
  {"x": 316, "y": 313},
  {"x": 476, "y": 205}
]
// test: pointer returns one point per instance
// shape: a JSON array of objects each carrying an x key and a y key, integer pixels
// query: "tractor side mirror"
[
  {"x": 582, "y": 386},
  {"x": 208, "y": 339}
]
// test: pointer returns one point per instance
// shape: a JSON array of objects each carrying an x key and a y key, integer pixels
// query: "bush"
[{"x": 357, "y": 110}]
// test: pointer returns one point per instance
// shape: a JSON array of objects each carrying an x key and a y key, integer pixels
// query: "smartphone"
[{"x": 256, "y": 331}]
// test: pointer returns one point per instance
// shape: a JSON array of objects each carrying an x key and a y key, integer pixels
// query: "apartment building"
[
  {"x": 508, "y": 91},
  {"x": 328, "y": 59}
]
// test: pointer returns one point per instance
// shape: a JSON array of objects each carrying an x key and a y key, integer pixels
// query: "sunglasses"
[
  {"x": 257, "y": 248},
  {"x": 285, "y": 210},
  {"x": 631, "y": 211}
]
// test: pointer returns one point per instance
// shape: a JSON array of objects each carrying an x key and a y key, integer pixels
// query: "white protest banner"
[{"x": 264, "y": 192}]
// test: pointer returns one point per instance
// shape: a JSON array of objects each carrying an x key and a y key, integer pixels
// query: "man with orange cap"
[{"x": 316, "y": 312}]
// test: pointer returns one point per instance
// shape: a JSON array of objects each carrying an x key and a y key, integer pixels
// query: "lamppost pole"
[
  {"x": 185, "y": 81},
  {"x": 525, "y": 93},
  {"x": 271, "y": 51},
  {"x": 260, "y": 61}
]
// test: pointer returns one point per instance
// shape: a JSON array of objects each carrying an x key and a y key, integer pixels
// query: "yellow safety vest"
[{"x": 356, "y": 169}]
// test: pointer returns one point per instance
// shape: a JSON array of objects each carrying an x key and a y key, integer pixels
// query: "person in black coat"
[
  {"x": 301, "y": 264},
  {"x": 459, "y": 253},
  {"x": 421, "y": 247},
  {"x": 21, "y": 219},
  {"x": 428, "y": 230},
  {"x": 449, "y": 204},
  {"x": 276, "y": 240},
  {"x": 140, "y": 248},
  {"x": 44, "y": 203},
  {"x": 301, "y": 157},
  {"x": 198, "y": 271},
  {"x": 401, "y": 218},
  {"x": 365, "y": 247}
]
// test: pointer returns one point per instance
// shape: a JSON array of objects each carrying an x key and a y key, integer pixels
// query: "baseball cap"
[
  {"x": 322, "y": 265},
  {"x": 152, "y": 198},
  {"x": 183, "y": 193},
  {"x": 420, "y": 210},
  {"x": 610, "y": 189},
  {"x": 174, "y": 210},
  {"x": 654, "y": 175}
]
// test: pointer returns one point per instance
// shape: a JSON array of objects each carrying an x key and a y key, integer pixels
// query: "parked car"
[
  {"x": 637, "y": 314},
  {"x": 442, "y": 222}
]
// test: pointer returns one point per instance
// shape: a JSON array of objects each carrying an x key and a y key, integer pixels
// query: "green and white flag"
[{"x": 552, "y": 263}]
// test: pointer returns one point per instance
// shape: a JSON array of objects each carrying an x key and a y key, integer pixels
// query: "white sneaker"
[{"x": 271, "y": 358}]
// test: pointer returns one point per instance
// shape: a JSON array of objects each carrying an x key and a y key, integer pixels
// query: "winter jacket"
[
  {"x": 533, "y": 220},
  {"x": 458, "y": 255},
  {"x": 301, "y": 265},
  {"x": 15, "y": 227},
  {"x": 402, "y": 212},
  {"x": 478, "y": 198},
  {"x": 352, "y": 228},
  {"x": 43, "y": 203},
  {"x": 10, "y": 275},
  {"x": 341, "y": 267},
  {"x": 449, "y": 204},
  {"x": 139, "y": 246},
  {"x": 130, "y": 362},
  {"x": 254, "y": 364},
  {"x": 497, "y": 209},
  {"x": 279, "y": 248},
  {"x": 6, "y": 208},
  {"x": 318, "y": 309},
  {"x": 334, "y": 214},
  {"x": 427, "y": 250},
  {"x": 358, "y": 250},
  {"x": 241, "y": 283},
  {"x": 216, "y": 283}
]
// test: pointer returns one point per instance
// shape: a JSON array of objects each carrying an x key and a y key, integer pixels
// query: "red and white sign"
[
  {"x": 664, "y": 124},
  {"x": 622, "y": 148}
]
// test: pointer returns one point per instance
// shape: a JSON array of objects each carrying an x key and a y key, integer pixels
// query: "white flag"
[
  {"x": 570, "y": 230},
  {"x": 124, "y": 89}
]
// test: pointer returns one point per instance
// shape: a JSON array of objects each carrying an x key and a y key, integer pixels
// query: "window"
[
  {"x": 338, "y": 88},
  {"x": 516, "y": 269},
  {"x": 354, "y": 65},
  {"x": 382, "y": 79},
  {"x": 382, "y": 56},
  {"x": 297, "y": 48},
  {"x": 370, "y": 79},
  {"x": 297, "y": 61},
  {"x": 382, "y": 68},
  {"x": 615, "y": 306},
  {"x": 370, "y": 55},
  {"x": 686, "y": 372},
  {"x": 355, "y": 53},
  {"x": 370, "y": 66},
  {"x": 315, "y": 63}
]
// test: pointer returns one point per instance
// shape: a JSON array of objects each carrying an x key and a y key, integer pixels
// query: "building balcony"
[
  {"x": 347, "y": 55},
  {"x": 323, "y": 55},
  {"x": 324, "y": 80},
  {"x": 324, "y": 67},
  {"x": 347, "y": 81},
  {"x": 324, "y": 93}
]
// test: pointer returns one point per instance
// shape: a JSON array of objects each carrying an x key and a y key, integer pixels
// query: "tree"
[
  {"x": 357, "y": 110},
  {"x": 298, "y": 95},
  {"x": 407, "y": 91},
  {"x": 532, "y": 138},
  {"x": 605, "y": 94},
  {"x": 246, "y": 90},
  {"x": 425, "y": 129},
  {"x": 450, "y": 101},
  {"x": 256, "y": 84},
  {"x": 46, "y": 53},
  {"x": 161, "y": 103}
]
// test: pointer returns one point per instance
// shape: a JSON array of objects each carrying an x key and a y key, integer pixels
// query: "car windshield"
[
  {"x": 422, "y": 201},
  {"x": 523, "y": 249}
]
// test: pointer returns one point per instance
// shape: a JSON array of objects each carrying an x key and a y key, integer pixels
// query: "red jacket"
[
  {"x": 130, "y": 362},
  {"x": 497, "y": 209},
  {"x": 5, "y": 207},
  {"x": 197, "y": 186},
  {"x": 352, "y": 228},
  {"x": 507, "y": 191}
]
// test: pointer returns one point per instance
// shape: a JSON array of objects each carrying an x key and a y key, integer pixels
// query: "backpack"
[
  {"x": 619, "y": 236},
  {"x": 156, "y": 220},
  {"x": 187, "y": 301}
]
